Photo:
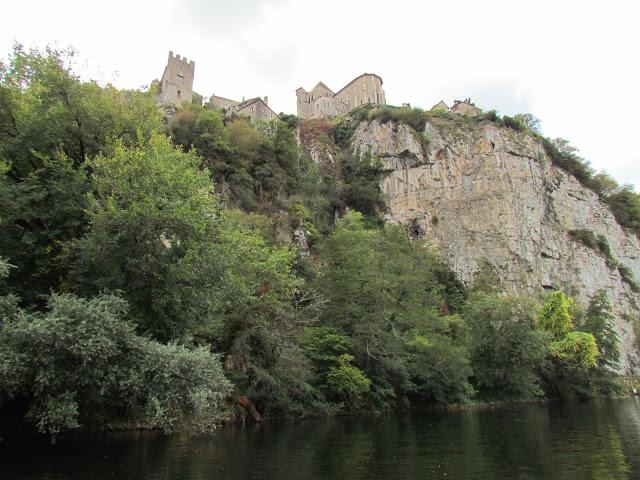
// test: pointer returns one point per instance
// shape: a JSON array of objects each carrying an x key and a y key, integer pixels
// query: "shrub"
[
  {"x": 415, "y": 118},
  {"x": 82, "y": 364},
  {"x": 598, "y": 243},
  {"x": 628, "y": 277},
  {"x": 514, "y": 123}
]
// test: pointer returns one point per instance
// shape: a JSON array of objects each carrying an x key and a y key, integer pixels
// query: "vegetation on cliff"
[{"x": 168, "y": 274}]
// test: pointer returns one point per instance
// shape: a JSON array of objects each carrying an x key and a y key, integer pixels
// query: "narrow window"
[{"x": 178, "y": 93}]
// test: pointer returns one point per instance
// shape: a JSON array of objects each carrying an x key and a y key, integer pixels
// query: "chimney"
[{"x": 266, "y": 100}]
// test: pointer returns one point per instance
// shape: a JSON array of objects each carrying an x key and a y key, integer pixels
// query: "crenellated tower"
[{"x": 176, "y": 86}]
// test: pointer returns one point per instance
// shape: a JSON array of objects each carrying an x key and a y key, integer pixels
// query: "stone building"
[
  {"x": 440, "y": 106},
  {"x": 176, "y": 85},
  {"x": 322, "y": 102},
  {"x": 255, "y": 108},
  {"x": 465, "y": 107}
]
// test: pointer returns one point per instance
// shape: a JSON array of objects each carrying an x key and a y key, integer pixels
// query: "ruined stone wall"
[{"x": 176, "y": 86}]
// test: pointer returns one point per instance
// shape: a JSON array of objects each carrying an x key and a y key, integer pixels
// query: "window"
[
  {"x": 179, "y": 78},
  {"x": 178, "y": 93}
]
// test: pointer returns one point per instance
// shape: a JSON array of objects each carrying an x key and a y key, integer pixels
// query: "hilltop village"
[{"x": 176, "y": 88}]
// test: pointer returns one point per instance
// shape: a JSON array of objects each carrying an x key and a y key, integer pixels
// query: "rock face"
[{"x": 482, "y": 191}]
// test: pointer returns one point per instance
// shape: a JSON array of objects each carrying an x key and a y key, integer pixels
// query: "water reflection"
[{"x": 597, "y": 440}]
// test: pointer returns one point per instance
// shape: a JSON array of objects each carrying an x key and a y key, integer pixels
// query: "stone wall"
[
  {"x": 321, "y": 102},
  {"x": 222, "y": 103},
  {"x": 256, "y": 109},
  {"x": 365, "y": 89}
]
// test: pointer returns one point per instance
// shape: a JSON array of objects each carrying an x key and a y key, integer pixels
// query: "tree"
[
  {"x": 382, "y": 290},
  {"x": 599, "y": 321},
  {"x": 530, "y": 121},
  {"x": 507, "y": 350},
  {"x": 556, "y": 315},
  {"x": 347, "y": 383},
  {"x": 50, "y": 124},
  {"x": 46, "y": 109},
  {"x": 153, "y": 222},
  {"x": 573, "y": 354},
  {"x": 37, "y": 217}
]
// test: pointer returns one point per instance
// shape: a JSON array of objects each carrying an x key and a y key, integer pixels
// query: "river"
[{"x": 594, "y": 440}]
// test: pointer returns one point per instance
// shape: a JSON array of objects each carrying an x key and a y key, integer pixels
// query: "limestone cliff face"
[{"x": 481, "y": 191}]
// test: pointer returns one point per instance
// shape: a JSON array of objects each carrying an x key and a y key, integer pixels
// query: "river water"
[{"x": 594, "y": 440}]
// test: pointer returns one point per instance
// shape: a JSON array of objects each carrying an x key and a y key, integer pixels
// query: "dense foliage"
[{"x": 167, "y": 274}]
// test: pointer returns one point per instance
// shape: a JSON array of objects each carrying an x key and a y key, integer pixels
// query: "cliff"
[{"x": 479, "y": 190}]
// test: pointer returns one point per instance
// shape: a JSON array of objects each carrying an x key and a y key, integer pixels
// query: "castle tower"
[{"x": 176, "y": 86}]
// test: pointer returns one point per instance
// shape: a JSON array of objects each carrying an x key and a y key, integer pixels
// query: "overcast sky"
[{"x": 573, "y": 64}]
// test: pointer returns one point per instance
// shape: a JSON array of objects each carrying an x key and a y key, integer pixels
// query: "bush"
[
  {"x": 597, "y": 243},
  {"x": 81, "y": 364},
  {"x": 415, "y": 118},
  {"x": 628, "y": 277},
  {"x": 514, "y": 123}
]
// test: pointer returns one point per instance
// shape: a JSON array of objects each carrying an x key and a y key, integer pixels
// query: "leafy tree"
[
  {"x": 507, "y": 350},
  {"x": 361, "y": 186},
  {"x": 81, "y": 364},
  {"x": 576, "y": 350},
  {"x": 556, "y": 315},
  {"x": 530, "y": 121},
  {"x": 202, "y": 129},
  {"x": 153, "y": 221},
  {"x": 486, "y": 279},
  {"x": 50, "y": 124},
  {"x": 381, "y": 289},
  {"x": 347, "y": 383},
  {"x": 47, "y": 109},
  {"x": 573, "y": 354},
  {"x": 325, "y": 346},
  {"x": 37, "y": 216},
  {"x": 599, "y": 321}
]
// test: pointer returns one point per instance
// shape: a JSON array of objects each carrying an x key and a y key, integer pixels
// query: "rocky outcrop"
[{"x": 482, "y": 191}]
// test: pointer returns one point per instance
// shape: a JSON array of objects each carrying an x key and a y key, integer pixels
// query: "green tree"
[
  {"x": 347, "y": 383},
  {"x": 153, "y": 222},
  {"x": 37, "y": 216},
  {"x": 507, "y": 350},
  {"x": 599, "y": 321},
  {"x": 46, "y": 109},
  {"x": 382, "y": 290},
  {"x": 556, "y": 315},
  {"x": 573, "y": 354},
  {"x": 50, "y": 124}
]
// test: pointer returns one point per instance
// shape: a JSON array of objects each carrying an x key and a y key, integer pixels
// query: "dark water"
[{"x": 596, "y": 440}]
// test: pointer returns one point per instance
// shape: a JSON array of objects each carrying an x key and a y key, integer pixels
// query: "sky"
[{"x": 573, "y": 64}]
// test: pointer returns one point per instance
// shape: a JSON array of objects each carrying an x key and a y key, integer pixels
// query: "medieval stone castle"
[
  {"x": 322, "y": 102},
  {"x": 176, "y": 88}
]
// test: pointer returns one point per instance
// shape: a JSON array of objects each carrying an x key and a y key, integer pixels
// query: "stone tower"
[{"x": 176, "y": 86}]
